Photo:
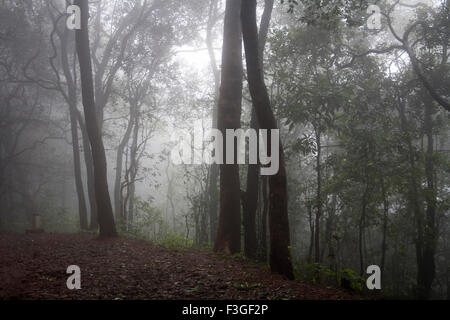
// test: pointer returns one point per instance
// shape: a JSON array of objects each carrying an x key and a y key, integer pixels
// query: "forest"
[{"x": 225, "y": 149}]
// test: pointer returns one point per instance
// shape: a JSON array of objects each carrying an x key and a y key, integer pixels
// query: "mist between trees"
[{"x": 359, "y": 117}]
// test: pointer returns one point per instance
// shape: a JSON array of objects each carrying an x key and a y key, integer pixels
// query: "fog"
[{"x": 362, "y": 112}]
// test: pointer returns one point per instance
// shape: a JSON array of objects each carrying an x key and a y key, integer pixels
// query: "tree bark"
[
  {"x": 134, "y": 163},
  {"x": 251, "y": 203},
  {"x": 214, "y": 168},
  {"x": 385, "y": 222},
  {"x": 318, "y": 197},
  {"x": 415, "y": 200},
  {"x": 93, "y": 224},
  {"x": 82, "y": 209},
  {"x": 228, "y": 237},
  {"x": 105, "y": 213},
  {"x": 280, "y": 257},
  {"x": 119, "y": 164},
  {"x": 430, "y": 232},
  {"x": 265, "y": 211},
  {"x": 72, "y": 101},
  {"x": 362, "y": 226},
  {"x": 311, "y": 228},
  {"x": 329, "y": 233},
  {"x": 264, "y": 29},
  {"x": 251, "y": 195}
]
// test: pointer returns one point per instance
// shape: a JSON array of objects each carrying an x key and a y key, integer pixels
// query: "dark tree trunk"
[
  {"x": 318, "y": 197},
  {"x": 249, "y": 214},
  {"x": 362, "y": 225},
  {"x": 134, "y": 163},
  {"x": 280, "y": 257},
  {"x": 385, "y": 222},
  {"x": 72, "y": 99},
  {"x": 93, "y": 225},
  {"x": 414, "y": 199},
  {"x": 329, "y": 233},
  {"x": 119, "y": 164},
  {"x": 213, "y": 200},
  {"x": 228, "y": 237},
  {"x": 251, "y": 204},
  {"x": 214, "y": 168},
  {"x": 105, "y": 213},
  {"x": 264, "y": 29},
  {"x": 203, "y": 236},
  {"x": 311, "y": 228},
  {"x": 169, "y": 197},
  {"x": 265, "y": 210},
  {"x": 77, "y": 170},
  {"x": 430, "y": 232}
]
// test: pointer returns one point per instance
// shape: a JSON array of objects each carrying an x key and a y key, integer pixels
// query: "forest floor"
[{"x": 33, "y": 266}]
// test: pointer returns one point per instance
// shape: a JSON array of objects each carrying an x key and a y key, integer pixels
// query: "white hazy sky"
[{"x": 197, "y": 60}]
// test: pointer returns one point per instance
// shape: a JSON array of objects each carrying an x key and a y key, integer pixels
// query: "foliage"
[
  {"x": 318, "y": 273},
  {"x": 148, "y": 224}
]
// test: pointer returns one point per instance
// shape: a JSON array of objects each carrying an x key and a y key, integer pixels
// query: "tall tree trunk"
[
  {"x": 134, "y": 163},
  {"x": 169, "y": 197},
  {"x": 214, "y": 168},
  {"x": 414, "y": 197},
  {"x": 311, "y": 228},
  {"x": 105, "y": 213},
  {"x": 385, "y": 222},
  {"x": 77, "y": 171},
  {"x": 250, "y": 203},
  {"x": 329, "y": 233},
  {"x": 203, "y": 237},
  {"x": 263, "y": 30},
  {"x": 280, "y": 257},
  {"x": 213, "y": 200},
  {"x": 251, "y": 195},
  {"x": 119, "y": 164},
  {"x": 362, "y": 226},
  {"x": 93, "y": 224},
  {"x": 318, "y": 197},
  {"x": 430, "y": 232},
  {"x": 265, "y": 211},
  {"x": 228, "y": 237},
  {"x": 72, "y": 97}
]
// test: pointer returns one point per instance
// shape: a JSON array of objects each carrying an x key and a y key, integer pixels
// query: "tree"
[
  {"x": 433, "y": 32},
  {"x": 214, "y": 168},
  {"x": 250, "y": 197},
  {"x": 70, "y": 96},
  {"x": 89, "y": 162},
  {"x": 104, "y": 207},
  {"x": 428, "y": 267},
  {"x": 280, "y": 257},
  {"x": 228, "y": 237}
]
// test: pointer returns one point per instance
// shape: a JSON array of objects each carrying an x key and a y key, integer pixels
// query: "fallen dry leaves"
[{"x": 33, "y": 266}]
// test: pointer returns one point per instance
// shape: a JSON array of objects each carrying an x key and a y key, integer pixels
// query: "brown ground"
[{"x": 33, "y": 266}]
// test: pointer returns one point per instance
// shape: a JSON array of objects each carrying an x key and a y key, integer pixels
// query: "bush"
[
  {"x": 148, "y": 224},
  {"x": 174, "y": 240},
  {"x": 317, "y": 273},
  {"x": 348, "y": 279}
]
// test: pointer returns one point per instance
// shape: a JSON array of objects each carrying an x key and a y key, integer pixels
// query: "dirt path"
[{"x": 33, "y": 266}]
